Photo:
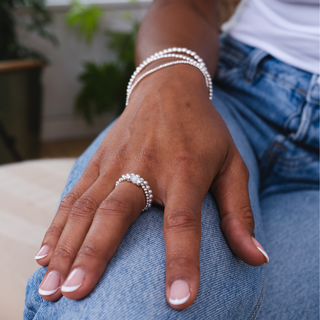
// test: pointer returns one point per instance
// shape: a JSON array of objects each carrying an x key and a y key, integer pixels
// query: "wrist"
[{"x": 175, "y": 80}]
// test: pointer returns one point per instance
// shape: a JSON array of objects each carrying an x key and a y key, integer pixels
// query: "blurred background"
[
  {"x": 64, "y": 68},
  {"x": 61, "y": 56}
]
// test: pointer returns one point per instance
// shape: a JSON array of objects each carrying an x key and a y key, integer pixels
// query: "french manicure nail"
[
  {"x": 260, "y": 248},
  {"x": 50, "y": 284},
  {"x": 43, "y": 252},
  {"x": 74, "y": 281},
  {"x": 179, "y": 292}
]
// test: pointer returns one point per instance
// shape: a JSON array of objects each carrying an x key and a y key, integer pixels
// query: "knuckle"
[
  {"x": 182, "y": 220},
  {"x": 248, "y": 217},
  {"x": 54, "y": 231},
  {"x": 90, "y": 249},
  {"x": 179, "y": 260},
  {"x": 68, "y": 200},
  {"x": 95, "y": 163},
  {"x": 117, "y": 206},
  {"x": 63, "y": 252},
  {"x": 84, "y": 207},
  {"x": 243, "y": 215}
]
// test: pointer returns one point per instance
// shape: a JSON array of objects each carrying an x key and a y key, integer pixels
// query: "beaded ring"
[{"x": 140, "y": 182}]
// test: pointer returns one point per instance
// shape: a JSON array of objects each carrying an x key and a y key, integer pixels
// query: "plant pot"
[{"x": 20, "y": 109}]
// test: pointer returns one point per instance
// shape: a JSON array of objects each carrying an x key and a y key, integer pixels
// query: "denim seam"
[
  {"x": 288, "y": 166},
  {"x": 271, "y": 157},
  {"x": 275, "y": 155},
  {"x": 259, "y": 304},
  {"x": 270, "y": 75},
  {"x": 257, "y": 307}
]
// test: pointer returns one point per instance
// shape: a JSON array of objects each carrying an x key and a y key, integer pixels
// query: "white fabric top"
[{"x": 286, "y": 29}]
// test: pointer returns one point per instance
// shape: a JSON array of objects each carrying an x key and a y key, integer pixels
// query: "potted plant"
[{"x": 20, "y": 72}]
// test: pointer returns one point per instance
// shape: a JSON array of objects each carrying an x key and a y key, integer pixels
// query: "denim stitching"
[
  {"x": 288, "y": 166},
  {"x": 272, "y": 157},
  {"x": 288, "y": 84},
  {"x": 259, "y": 307},
  {"x": 254, "y": 314},
  {"x": 276, "y": 155}
]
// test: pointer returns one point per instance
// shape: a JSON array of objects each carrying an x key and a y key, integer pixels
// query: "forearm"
[{"x": 180, "y": 23}]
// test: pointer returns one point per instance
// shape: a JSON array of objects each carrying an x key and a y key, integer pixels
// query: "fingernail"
[
  {"x": 43, "y": 252},
  {"x": 179, "y": 292},
  {"x": 50, "y": 284},
  {"x": 260, "y": 248},
  {"x": 74, "y": 281}
]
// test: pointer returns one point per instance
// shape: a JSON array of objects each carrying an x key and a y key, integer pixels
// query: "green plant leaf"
[
  {"x": 104, "y": 84},
  {"x": 85, "y": 18}
]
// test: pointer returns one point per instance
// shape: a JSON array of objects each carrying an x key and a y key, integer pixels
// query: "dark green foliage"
[
  {"x": 85, "y": 18},
  {"x": 104, "y": 85},
  {"x": 38, "y": 21}
]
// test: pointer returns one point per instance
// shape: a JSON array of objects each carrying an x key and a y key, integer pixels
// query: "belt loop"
[
  {"x": 313, "y": 90},
  {"x": 251, "y": 65},
  {"x": 306, "y": 118}
]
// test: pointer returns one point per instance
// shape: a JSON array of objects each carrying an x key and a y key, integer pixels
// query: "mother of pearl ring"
[{"x": 140, "y": 182}]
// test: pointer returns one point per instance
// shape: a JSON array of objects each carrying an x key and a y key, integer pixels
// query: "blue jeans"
[{"x": 272, "y": 112}]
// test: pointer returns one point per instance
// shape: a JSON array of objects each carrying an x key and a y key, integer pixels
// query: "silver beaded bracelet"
[
  {"x": 156, "y": 57},
  {"x": 167, "y": 65},
  {"x": 195, "y": 61}
]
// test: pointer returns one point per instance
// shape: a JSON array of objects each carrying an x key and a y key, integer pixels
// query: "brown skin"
[{"x": 173, "y": 137}]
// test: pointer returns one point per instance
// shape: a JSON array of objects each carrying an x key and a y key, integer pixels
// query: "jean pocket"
[{"x": 287, "y": 161}]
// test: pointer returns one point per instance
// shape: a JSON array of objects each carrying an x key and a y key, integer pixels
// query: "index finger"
[
  {"x": 55, "y": 230},
  {"x": 112, "y": 220}
]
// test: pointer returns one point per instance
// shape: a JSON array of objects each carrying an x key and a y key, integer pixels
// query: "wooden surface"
[
  {"x": 12, "y": 65},
  {"x": 64, "y": 148}
]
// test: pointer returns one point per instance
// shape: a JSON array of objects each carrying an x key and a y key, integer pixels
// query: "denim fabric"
[{"x": 272, "y": 112}]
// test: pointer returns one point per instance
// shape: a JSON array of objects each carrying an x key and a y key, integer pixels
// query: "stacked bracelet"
[
  {"x": 195, "y": 61},
  {"x": 155, "y": 57}
]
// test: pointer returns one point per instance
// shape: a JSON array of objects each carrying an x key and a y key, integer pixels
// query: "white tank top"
[{"x": 286, "y": 29}]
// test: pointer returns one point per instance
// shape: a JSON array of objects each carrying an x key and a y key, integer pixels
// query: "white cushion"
[{"x": 29, "y": 195}]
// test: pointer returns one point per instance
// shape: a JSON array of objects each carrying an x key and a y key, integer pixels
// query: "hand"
[{"x": 171, "y": 135}]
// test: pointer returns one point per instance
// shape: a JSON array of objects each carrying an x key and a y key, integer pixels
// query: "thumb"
[{"x": 230, "y": 189}]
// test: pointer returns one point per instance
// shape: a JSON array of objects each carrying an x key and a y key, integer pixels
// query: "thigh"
[
  {"x": 291, "y": 222},
  {"x": 133, "y": 284}
]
